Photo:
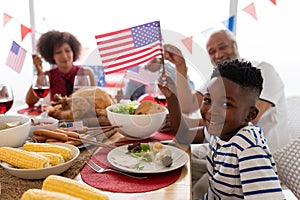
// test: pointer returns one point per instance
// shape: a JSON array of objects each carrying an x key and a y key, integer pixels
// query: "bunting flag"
[
  {"x": 16, "y": 57},
  {"x": 273, "y": 1},
  {"x": 6, "y": 18},
  {"x": 250, "y": 9},
  {"x": 207, "y": 32},
  {"x": 229, "y": 23},
  {"x": 130, "y": 47},
  {"x": 24, "y": 31},
  {"x": 188, "y": 43}
]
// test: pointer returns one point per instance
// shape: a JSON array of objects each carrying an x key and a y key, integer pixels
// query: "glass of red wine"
[
  {"x": 6, "y": 98},
  {"x": 41, "y": 87}
]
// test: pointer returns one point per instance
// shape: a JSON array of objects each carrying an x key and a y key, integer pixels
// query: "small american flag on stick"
[
  {"x": 16, "y": 57},
  {"x": 130, "y": 47}
]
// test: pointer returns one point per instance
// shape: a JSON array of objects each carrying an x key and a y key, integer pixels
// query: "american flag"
[
  {"x": 16, "y": 57},
  {"x": 130, "y": 47},
  {"x": 134, "y": 74}
]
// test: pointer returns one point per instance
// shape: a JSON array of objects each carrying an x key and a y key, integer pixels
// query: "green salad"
[
  {"x": 125, "y": 108},
  {"x": 140, "y": 151}
]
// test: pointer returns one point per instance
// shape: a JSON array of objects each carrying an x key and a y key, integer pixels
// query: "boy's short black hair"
[{"x": 242, "y": 73}]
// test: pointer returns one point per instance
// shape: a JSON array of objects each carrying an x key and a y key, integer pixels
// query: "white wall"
[{"x": 273, "y": 38}]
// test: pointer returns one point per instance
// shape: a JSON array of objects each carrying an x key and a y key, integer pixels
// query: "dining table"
[{"x": 180, "y": 187}]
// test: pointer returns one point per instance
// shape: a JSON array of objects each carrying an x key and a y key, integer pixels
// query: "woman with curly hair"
[{"x": 60, "y": 49}]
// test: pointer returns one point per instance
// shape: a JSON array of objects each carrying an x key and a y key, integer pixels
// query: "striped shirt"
[{"x": 242, "y": 168}]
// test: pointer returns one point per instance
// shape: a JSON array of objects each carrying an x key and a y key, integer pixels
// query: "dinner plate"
[
  {"x": 179, "y": 156},
  {"x": 43, "y": 172}
]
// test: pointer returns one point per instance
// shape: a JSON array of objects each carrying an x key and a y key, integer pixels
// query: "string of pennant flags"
[
  {"x": 17, "y": 54},
  {"x": 24, "y": 30}
]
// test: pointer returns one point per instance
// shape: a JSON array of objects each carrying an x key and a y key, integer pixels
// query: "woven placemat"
[
  {"x": 115, "y": 182},
  {"x": 12, "y": 188}
]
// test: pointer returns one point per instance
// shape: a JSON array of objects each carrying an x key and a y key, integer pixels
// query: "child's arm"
[{"x": 183, "y": 134}]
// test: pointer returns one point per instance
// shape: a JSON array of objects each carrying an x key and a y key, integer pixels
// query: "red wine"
[
  {"x": 5, "y": 106},
  {"x": 41, "y": 92},
  {"x": 161, "y": 99}
]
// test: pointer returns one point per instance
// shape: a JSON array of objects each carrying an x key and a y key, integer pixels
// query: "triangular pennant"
[
  {"x": 250, "y": 9},
  {"x": 273, "y": 1},
  {"x": 229, "y": 23},
  {"x": 207, "y": 32},
  {"x": 24, "y": 31},
  {"x": 6, "y": 19},
  {"x": 188, "y": 43}
]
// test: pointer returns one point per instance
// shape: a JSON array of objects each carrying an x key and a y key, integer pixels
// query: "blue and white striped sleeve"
[{"x": 259, "y": 175}]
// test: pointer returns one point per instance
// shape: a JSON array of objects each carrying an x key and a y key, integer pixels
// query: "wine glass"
[
  {"x": 41, "y": 87},
  {"x": 81, "y": 81},
  {"x": 6, "y": 98}
]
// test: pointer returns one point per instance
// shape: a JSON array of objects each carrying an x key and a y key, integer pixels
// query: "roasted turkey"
[{"x": 87, "y": 104}]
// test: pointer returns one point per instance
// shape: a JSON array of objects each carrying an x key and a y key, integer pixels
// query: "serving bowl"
[
  {"x": 17, "y": 135},
  {"x": 44, "y": 123},
  {"x": 136, "y": 126},
  {"x": 43, "y": 172}
]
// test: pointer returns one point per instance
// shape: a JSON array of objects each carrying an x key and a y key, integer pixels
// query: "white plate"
[
  {"x": 179, "y": 156},
  {"x": 44, "y": 172}
]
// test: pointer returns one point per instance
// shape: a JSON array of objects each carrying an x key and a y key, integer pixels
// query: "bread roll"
[{"x": 148, "y": 107}]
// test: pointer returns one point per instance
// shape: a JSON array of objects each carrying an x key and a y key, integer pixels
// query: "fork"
[{"x": 99, "y": 169}]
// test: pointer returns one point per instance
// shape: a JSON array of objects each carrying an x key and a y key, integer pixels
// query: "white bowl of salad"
[{"x": 133, "y": 124}]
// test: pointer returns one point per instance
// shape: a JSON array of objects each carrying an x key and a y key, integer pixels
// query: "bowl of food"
[
  {"x": 14, "y": 130},
  {"x": 56, "y": 158},
  {"x": 43, "y": 123},
  {"x": 137, "y": 120}
]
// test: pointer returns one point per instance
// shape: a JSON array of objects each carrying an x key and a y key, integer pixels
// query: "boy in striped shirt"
[{"x": 240, "y": 165}]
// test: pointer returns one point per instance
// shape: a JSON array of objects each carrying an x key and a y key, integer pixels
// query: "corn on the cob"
[
  {"x": 54, "y": 158},
  {"x": 23, "y": 159},
  {"x": 52, "y": 148},
  {"x": 71, "y": 187},
  {"x": 38, "y": 194}
]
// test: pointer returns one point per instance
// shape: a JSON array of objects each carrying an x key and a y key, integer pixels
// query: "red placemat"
[
  {"x": 162, "y": 136},
  {"x": 114, "y": 182},
  {"x": 31, "y": 110}
]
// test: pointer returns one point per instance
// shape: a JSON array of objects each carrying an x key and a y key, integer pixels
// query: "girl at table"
[
  {"x": 240, "y": 164},
  {"x": 60, "y": 49}
]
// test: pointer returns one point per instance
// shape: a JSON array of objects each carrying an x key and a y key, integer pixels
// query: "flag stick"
[
  {"x": 162, "y": 60},
  {"x": 163, "y": 67}
]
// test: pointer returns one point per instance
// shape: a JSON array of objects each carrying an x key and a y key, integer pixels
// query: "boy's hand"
[{"x": 166, "y": 85}]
